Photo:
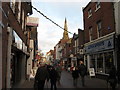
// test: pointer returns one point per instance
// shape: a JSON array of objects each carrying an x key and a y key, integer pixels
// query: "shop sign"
[
  {"x": 32, "y": 21},
  {"x": 100, "y": 46},
  {"x": 91, "y": 72}
]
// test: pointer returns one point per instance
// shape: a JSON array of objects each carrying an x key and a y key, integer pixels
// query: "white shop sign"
[{"x": 91, "y": 72}]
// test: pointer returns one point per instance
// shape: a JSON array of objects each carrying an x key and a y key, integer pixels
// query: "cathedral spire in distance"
[{"x": 65, "y": 34}]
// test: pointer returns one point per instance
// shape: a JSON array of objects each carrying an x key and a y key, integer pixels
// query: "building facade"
[
  {"x": 99, "y": 29},
  {"x": 14, "y": 39},
  {"x": 117, "y": 22},
  {"x": 32, "y": 24}
]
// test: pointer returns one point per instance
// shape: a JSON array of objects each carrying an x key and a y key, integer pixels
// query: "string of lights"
[{"x": 48, "y": 18}]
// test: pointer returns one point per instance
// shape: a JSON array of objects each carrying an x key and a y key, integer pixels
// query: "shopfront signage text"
[{"x": 100, "y": 46}]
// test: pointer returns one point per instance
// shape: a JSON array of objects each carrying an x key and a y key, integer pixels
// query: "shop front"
[
  {"x": 18, "y": 60},
  {"x": 100, "y": 55}
]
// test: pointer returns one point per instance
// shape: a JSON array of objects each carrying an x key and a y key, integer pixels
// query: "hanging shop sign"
[
  {"x": 32, "y": 21},
  {"x": 100, "y": 46}
]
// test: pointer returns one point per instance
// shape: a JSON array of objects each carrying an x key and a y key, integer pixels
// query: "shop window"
[
  {"x": 108, "y": 61},
  {"x": 92, "y": 61},
  {"x": 100, "y": 63}
]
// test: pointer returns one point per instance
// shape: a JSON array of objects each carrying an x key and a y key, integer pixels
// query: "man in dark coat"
[
  {"x": 112, "y": 77},
  {"x": 41, "y": 75},
  {"x": 75, "y": 75},
  {"x": 53, "y": 75},
  {"x": 82, "y": 71}
]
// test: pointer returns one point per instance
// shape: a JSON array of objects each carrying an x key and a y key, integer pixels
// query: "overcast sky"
[{"x": 48, "y": 33}]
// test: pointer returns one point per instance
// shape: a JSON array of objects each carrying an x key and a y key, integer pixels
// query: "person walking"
[
  {"x": 82, "y": 71},
  {"x": 40, "y": 77},
  {"x": 112, "y": 77},
  {"x": 75, "y": 75},
  {"x": 53, "y": 75},
  {"x": 59, "y": 70}
]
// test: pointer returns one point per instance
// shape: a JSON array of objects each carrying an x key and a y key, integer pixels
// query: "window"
[
  {"x": 90, "y": 33},
  {"x": 23, "y": 16},
  {"x": 19, "y": 10},
  {"x": 89, "y": 12},
  {"x": 100, "y": 63},
  {"x": 108, "y": 61},
  {"x": 12, "y": 5},
  {"x": 99, "y": 28},
  {"x": 97, "y": 5},
  {"x": 92, "y": 61}
]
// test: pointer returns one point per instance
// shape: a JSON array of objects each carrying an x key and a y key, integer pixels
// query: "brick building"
[
  {"x": 14, "y": 42},
  {"x": 99, "y": 29}
]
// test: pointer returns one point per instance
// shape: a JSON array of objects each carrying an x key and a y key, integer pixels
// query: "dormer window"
[{"x": 89, "y": 12}]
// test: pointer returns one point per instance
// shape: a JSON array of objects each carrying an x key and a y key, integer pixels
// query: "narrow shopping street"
[
  {"x": 66, "y": 82},
  {"x": 41, "y": 38}
]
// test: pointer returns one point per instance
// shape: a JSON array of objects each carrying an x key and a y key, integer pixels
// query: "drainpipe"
[{"x": 9, "y": 30}]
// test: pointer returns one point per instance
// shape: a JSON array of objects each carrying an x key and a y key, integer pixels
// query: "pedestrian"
[
  {"x": 53, "y": 75},
  {"x": 40, "y": 77},
  {"x": 112, "y": 77},
  {"x": 75, "y": 75},
  {"x": 83, "y": 72},
  {"x": 59, "y": 70}
]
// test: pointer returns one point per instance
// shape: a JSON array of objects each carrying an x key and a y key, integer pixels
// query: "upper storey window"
[
  {"x": 12, "y": 5},
  {"x": 89, "y": 12},
  {"x": 99, "y": 27},
  {"x": 19, "y": 10},
  {"x": 97, "y": 6}
]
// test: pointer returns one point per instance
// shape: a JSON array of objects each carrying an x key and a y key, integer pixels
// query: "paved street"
[{"x": 66, "y": 82}]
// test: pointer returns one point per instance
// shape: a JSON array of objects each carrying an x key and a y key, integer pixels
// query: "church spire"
[{"x": 65, "y": 34}]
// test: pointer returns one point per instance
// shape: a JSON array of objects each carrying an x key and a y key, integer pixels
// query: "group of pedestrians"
[
  {"x": 77, "y": 71},
  {"x": 47, "y": 73},
  {"x": 53, "y": 74}
]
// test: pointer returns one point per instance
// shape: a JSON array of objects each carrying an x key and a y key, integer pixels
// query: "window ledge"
[
  {"x": 90, "y": 16},
  {"x": 97, "y": 9}
]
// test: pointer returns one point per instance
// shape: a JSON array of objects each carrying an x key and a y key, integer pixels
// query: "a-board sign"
[{"x": 91, "y": 72}]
